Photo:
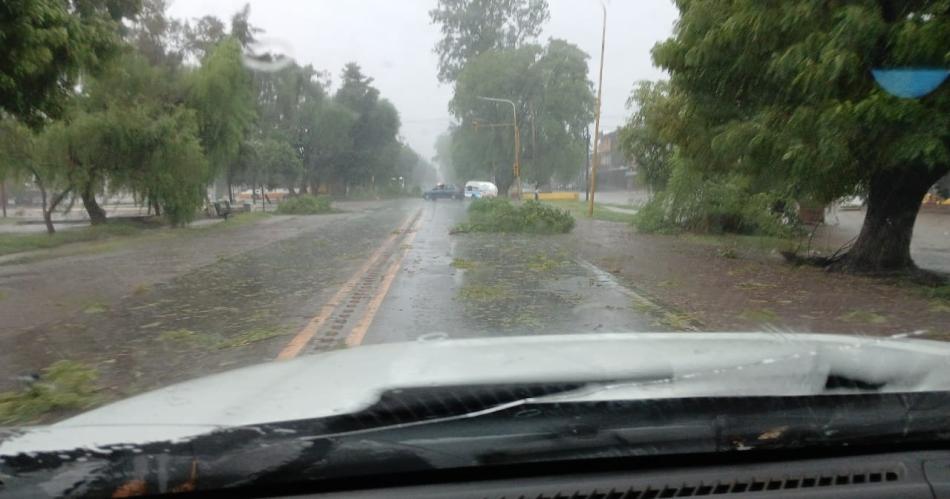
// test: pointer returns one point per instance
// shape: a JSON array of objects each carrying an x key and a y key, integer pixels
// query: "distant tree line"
[
  {"x": 106, "y": 96},
  {"x": 489, "y": 49}
]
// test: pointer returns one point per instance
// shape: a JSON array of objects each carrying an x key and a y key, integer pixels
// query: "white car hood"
[{"x": 619, "y": 366}]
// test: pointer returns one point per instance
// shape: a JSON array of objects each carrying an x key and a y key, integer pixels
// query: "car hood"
[{"x": 613, "y": 366}]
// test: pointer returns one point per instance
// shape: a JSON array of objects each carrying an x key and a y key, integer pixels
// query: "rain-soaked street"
[
  {"x": 178, "y": 305},
  {"x": 471, "y": 285}
]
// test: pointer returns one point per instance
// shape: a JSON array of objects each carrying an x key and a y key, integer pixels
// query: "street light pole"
[
  {"x": 600, "y": 87},
  {"x": 514, "y": 122}
]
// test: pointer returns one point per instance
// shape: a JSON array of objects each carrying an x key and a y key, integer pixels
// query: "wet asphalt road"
[
  {"x": 207, "y": 302},
  {"x": 477, "y": 285}
]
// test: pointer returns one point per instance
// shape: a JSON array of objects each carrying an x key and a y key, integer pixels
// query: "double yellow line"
[{"x": 356, "y": 335}]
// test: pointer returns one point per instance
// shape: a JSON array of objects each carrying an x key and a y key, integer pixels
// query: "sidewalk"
[
  {"x": 930, "y": 246},
  {"x": 732, "y": 287}
]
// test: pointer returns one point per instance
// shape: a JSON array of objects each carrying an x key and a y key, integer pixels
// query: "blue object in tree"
[{"x": 910, "y": 83}]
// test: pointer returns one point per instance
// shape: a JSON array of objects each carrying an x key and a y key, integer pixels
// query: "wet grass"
[
  {"x": 759, "y": 316},
  {"x": 863, "y": 317},
  {"x": 579, "y": 210},
  {"x": 484, "y": 292},
  {"x": 463, "y": 264},
  {"x": 728, "y": 245},
  {"x": 677, "y": 321},
  {"x": 186, "y": 338},
  {"x": 305, "y": 205},
  {"x": 108, "y": 237},
  {"x": 64, "y": 385},
  {"x": 937, "y": 306},
  {"x": 252, "y": 336},
  {"x": 542, "y": 262},
  {"x": 18, "y": 243},
  {"x": 941, "y": 293},
  {"x": 96, "y": 308}
]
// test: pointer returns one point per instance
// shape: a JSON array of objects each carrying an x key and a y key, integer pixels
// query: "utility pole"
[
  {"x": 587, "y": 166},
  {"x": 600, "y": 88},
  {"x": 514, "y": 123}
]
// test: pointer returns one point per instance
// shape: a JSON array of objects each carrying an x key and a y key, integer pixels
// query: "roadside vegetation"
[
  {"x": 305, "y": 205},
  {"x": 167, "y": 108},
  {"x": 63, "y": 386},
  {"x": 601, "y": 211},
  {"x": 18, "y": 243},
  {"x": 501, "y": 215},
  {"x": 113, "y": 231},
  {"x": 724, "y": 154}
]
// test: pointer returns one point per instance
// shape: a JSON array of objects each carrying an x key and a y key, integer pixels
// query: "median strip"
[{"x": 303, "y": 337}]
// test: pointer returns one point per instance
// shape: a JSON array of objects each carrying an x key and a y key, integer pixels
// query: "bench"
[{"x": 224, "y": 209}]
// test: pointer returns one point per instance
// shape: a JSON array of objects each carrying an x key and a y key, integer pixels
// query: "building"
[{"x": 613, "y": 169}]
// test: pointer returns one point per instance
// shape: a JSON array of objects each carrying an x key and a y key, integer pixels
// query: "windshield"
[{"x": 284, "y": 211}]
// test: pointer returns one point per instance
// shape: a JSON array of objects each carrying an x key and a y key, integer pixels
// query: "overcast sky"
[{"x": 392, "y": 40}]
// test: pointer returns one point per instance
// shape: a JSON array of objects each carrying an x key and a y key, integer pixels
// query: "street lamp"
[
  {"x": 514, "y": 123},
  {"x": 600, "y": 87}
]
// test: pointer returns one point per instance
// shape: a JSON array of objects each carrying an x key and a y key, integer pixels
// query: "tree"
[
  {"x": 643, "y": 139},
  {"x": 328, "y": 142},
  {"x": 784, "y": 90},
  {"x": 220, "y": 92},
  {"x": 554, "y": 104},
  {"x": 374, "y": 129},
  {"x": 203, "y": 36},
  {"x": 44, "y": 45},
  {"x": 41, "y": 156},
  {"x": 160, "y": 39},
  {"x": 473, "y": 27}
]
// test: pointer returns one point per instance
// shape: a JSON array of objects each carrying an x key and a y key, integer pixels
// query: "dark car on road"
[{"x": 443, "y": 191}]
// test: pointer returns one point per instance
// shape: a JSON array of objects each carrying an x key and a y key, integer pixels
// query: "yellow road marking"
[
  {"x": 300, "y": 340},
  {"x": 359, "y": 330}
]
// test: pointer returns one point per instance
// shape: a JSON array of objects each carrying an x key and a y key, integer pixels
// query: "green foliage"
[
  {"x": 601, "y": 212},
  {"x": 270, "y": 162},
  {"x": 64, "y": 385},
  {"x": 45, "y": 44},
  {"x": 220, "y": 93},
  {"x": 781, "y": 94},
  {"x": 554, "y": 104},
  {"x": 473, "y": 27},
  {"x": 305, "y": 205},
  {"x": 374, "y": 146},
  {"x": 642, "y": 139},
  {"x": 710, "y": 203},
  {"x": 500, "y": 215},
  {"x": 16, "y": 243}
]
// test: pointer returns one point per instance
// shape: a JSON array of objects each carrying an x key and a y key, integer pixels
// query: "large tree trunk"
[
  {"x": 97, "y": 215},
  {"x": 894, "y": 199}
]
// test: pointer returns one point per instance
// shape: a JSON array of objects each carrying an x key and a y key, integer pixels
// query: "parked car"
[
  {"x": 442, "y": 191},
  {"x": 851, "y": 203},
  {"x": 476, "y": 189}
]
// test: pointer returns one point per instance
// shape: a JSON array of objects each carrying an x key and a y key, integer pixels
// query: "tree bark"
[
  {"x": 97, "y": 215},
  {"x": 894, "y": 199},
  {"x": 230, "y": 188},
  {"x": 48, "y": 210}
]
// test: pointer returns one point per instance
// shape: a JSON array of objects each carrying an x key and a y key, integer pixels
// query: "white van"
[{"x": 475, "y": 189}]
